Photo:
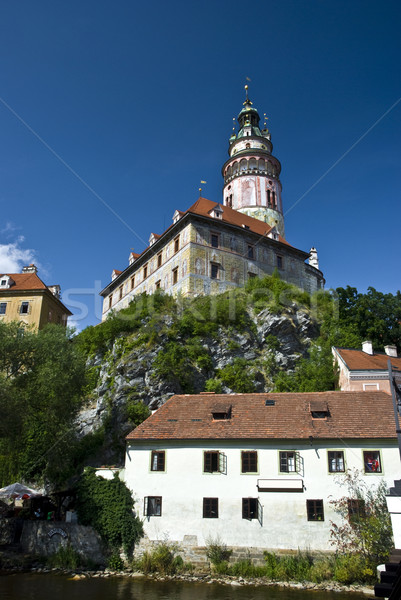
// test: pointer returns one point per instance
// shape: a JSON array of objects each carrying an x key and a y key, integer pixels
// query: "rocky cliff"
[{"x": 159, "y": 359}]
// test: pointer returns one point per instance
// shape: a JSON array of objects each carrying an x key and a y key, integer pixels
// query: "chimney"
[
  {"x": 391, "y": 351},
  {"x": 367, "y": 347},
  {"x": 55, "y": 290},
  {"x": 30, "y": 269}
]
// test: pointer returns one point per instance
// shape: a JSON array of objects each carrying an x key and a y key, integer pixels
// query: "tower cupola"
[{"x": 251, "y": 174}]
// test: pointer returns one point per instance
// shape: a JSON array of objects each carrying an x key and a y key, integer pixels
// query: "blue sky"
[{"x": 112, "y": 112}]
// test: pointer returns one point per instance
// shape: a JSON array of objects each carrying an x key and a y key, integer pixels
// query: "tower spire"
[{"x": 251, "y": 174}]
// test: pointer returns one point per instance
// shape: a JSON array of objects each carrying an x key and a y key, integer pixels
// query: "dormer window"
[
  {"x": 221, "y": 413},
  {"x": 5, "y": 281},
  {"x": 319, "y": 410},
  {"x": 217, "y": 212},
  {"x": 176, "y": 216}
]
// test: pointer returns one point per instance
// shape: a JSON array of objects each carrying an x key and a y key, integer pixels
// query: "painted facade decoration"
[
  {"x": 263, "y": 468},
  {"x": 211, "y": 248}
]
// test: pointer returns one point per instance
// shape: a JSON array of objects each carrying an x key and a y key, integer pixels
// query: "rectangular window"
[
  {"x": 157, "y": 460},
  {"x": 175, "y": 275},
  {"x": 314, "y": 509},
  {"x": 158, "y": 284},
  {"x": 249, "y": 508},
  {"x": 132, "y": 282},
  {"x": 152, "y": 506},
  {"x": 210, "y": 508},
  {"x": 356, "y": 508},
  {"x": 336, "y": 461},
  {"x": 251, "y": 252},
  {"x": 24, "y": 308},
  {"x": 214, "y": 462},
  {"x": 251, "y": 275},
  {"x": 288, "y": 462},
  {"x": 372, "y": 462},
  {"x": 145, "y": 271},
  {"x": 214, "y": 240},
  {"x": 280, "y": 262},
  {"x": 110, "y": 300},
  {"x": 214, "y": 271},
  {"x": 120, "y": 292},
  {"x": 159, "y": 260},
  {"x": 176, "y": 244},
  {"x": 249, "y": 462},
  {"x": 3, "y": 307}
]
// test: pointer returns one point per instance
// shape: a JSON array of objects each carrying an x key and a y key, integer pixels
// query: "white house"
[{"x": 257, "y": 470}]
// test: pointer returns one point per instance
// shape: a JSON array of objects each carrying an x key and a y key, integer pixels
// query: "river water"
[{"x": 56, "y": 587}]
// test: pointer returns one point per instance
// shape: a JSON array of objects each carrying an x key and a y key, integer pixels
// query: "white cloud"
[{"x": 13, "y": 257}]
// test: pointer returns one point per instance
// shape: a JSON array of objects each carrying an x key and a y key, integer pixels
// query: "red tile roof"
[
  {"x": 351, "y": 415},
  {"x": 358, "y": 360},
  {"x": 24, "y": 281},
  {"x": 205, "y": 207}
]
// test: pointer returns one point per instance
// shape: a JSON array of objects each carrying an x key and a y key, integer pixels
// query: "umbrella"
[{"x": 17, "y": 490}]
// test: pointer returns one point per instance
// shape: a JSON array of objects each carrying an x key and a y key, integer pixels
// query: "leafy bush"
[
  {"x": 107, "y": 506},
  {"x": 65, "y": 558},
  {"x": 216, "y": 551},
  {"x": 163, "y": 559},
  {"x": 137, "y": 411},
  {"x": 237, "y": 376},
  {"x": 213, "y": 385},
  {"x": 115, "y": 562},
  {"x": 366, "y": 531}
]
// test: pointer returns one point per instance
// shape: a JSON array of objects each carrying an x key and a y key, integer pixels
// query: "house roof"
[
  {"x": 204, "y": 207},
  {"x": 351, "y": 415},
  {"x": 29, "y": 282},
  {"x": 25, "y": 281},
  {"x": 358, "y": 360}
]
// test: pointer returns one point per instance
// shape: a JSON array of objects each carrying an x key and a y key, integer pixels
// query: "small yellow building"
[{"x": 25, "y": 298}]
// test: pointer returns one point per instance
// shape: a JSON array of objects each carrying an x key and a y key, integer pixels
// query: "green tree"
[
  {"x": 365, "y": 525},
  {"x": 41, "y": 379}
]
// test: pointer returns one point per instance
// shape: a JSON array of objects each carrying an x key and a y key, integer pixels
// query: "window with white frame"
[
  {"x": 372, "y": 461},
  {"x": 157, "y": 460},
  {"x": 336, "y": 461},
  {"x": 214, "y": 462}
]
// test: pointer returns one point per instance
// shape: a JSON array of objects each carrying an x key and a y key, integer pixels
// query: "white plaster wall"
[{"x": 285, "y": 526}]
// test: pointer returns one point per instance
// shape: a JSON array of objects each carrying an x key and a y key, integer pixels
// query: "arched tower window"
[
  {"x": 252, "y": 164},
  {"x": 262, "y": 165},
  {"x": 235, "y": 168},
  {"x": 243, "y": 165}
]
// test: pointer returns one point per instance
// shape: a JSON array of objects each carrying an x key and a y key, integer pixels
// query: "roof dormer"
[
  {"x": 177, "y": 216},
  {"x": 273, "y": 234},
  {"x": 6, "y": 282},
  {"x": 115, "y": 274},
  {"x": 217, "y": 212},
  {"x": 153, "y": 238}
]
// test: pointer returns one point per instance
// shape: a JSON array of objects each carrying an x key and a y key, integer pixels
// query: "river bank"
[{"x": 206, "y": 578}]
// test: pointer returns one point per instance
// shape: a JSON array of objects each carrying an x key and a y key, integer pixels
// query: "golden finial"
[
  {"x": 233, "y": 123},
  {"x": 247, "y": 101},
  {"x": 265, "y": 118}
]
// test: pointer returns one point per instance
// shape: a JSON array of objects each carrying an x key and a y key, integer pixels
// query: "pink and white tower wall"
[{"x": 251, "y": 174}]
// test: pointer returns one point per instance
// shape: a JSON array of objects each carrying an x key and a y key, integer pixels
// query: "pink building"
[{"x": 366, "y": 370}]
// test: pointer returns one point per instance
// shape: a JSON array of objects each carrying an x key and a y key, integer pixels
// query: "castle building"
[
  {"x": 26, "y": 299},
  {"x": 211, "y": 247}
]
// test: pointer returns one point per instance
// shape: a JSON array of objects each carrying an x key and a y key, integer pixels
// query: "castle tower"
[{"x": 251, "y": 174}]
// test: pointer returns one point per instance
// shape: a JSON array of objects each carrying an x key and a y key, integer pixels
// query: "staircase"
[{"x": 390, "y": 579}]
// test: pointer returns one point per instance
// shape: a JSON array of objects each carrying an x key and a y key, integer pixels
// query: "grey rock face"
[{"x": 272, "y": 342}]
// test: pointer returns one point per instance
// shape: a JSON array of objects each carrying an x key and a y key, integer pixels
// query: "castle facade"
[{"x": 211, "y": 248}]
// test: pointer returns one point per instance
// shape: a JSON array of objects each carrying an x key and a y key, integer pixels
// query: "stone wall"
[
  {"x": 46, "y": 537},
  {"x": 189, "y": 550}
]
